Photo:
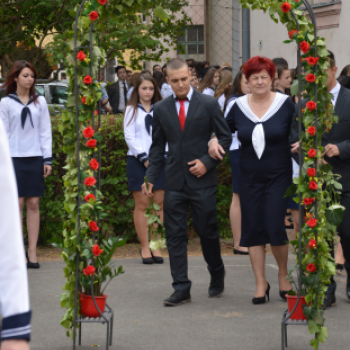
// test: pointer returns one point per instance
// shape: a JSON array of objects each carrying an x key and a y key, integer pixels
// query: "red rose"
[
  {"x": 312, "y": 60},
  {"x": 304, "y": 46},
  {"x": 88, "y": 197},
  {"x": 96, "y": 250},
  {"x": 89, "y": 270},
  {"x": 311, "y": 172},
  {"x": 309, "y": 201},
  {"x": 312, "y": 222},
  {"x": 311, "y": 268},
  {"x": 91, "y": 143},
  {"x": 312, "y": 185},
  {"x": 311, "y": 153},
  {"x": 311, "y": 105},
  {"x": 88, "y": 132},
  {"x": 94, "y": 164},
  {"x": 93, "y": 15},
  {"x": 311, "y": 131},
  {"x": 102, "y": 2},
  {"x": 310, "y": 78},
  {"x": 83, "y": 100},
  {"x": 90, "y": 181},
  {"x": 87, "y": 80},
  {"x": 96, "y": 112},
  {"x": 285, "y": 7},
  {"x": 312, "y": 244},
  {"x": 93, "y": 226},
  {"x": 291, "y": 33},
  {"x": 81, "y": 56}
]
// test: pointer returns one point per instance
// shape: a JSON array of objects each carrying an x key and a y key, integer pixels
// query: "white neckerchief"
[{"x": 258, "y": 135}]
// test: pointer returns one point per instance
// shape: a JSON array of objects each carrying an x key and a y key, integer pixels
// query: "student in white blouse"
[
  {"x": 209, "y": 82},
  {"x": 14, "y": 298},
  {"x": 28, "y": 126},
  {"x": 138, "y": 136}
]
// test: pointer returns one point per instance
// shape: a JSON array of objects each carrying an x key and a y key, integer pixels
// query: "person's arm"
[
  {"x": 14, "y": 296},
  {"x": 5, "y": 115},
  {"x": 223, "y": 134},
  {"x": 45, "y": 136}
]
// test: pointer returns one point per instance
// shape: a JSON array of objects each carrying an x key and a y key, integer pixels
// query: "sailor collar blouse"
[{"x": 28, "y": 127}]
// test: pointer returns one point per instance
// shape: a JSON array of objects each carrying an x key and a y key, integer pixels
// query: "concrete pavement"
[{"x": 141, "y": 322}]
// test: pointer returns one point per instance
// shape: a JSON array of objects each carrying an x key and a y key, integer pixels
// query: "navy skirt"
[
  {"x": 234, "y": 162},
  {"x": 30, "y": 176},
  {"x": 292, "y": 204},
  {"x": 136, "y": 171}
]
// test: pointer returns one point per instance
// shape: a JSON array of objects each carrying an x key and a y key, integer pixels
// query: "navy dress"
[{"x": 263, "y": 182}]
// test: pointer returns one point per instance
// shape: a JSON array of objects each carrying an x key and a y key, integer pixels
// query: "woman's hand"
[
  {"x": 47, "y": 170},
  {"x": 146, "y": 163}
]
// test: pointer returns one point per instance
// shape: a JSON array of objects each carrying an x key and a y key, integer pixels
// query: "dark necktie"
[
  {"x": 148, "y": 123},
  {"x": 182, "y": 113},
  {"x": 125, "y": 93}
]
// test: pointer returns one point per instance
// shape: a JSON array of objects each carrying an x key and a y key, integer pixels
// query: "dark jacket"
[
  {"x": 113, "y": 96},
  {"x": 203, "y": 118}
]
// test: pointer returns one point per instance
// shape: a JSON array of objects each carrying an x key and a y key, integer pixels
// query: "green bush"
[{"x": 118, "y": 201}]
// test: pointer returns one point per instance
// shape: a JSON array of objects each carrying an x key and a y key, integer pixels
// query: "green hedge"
[{"x": 118, "y": 201}]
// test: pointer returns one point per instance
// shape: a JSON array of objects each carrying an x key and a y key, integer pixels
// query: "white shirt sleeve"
[
  {"x": 4, "y": 116},
  {"x": 45, "y": 131},
  {"x": 14, "y": 297}
]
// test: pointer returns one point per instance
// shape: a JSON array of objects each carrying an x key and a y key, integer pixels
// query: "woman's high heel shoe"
[
  {"x": 31, "y": 265},
  {"x": 283, "y": 294},
  {"x": 146, "y": 261},
  {"x": 157, "y": 259},
  {"x": 263, "y": 299}
]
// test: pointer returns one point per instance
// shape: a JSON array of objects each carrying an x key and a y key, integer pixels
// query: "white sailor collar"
[{"x": 258, "y": 135}]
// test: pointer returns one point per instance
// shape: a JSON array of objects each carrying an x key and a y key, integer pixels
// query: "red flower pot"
[
  {"x": 87, "y": 306},
  {"x": 298, "y": 314}
]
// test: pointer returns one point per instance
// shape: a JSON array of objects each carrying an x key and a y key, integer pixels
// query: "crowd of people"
[{"x": 179, "y": 122}]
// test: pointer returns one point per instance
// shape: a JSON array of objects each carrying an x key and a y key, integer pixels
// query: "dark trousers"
[
  {"x": 344, "y": 234},
  {"x": 203, "y": 209}
]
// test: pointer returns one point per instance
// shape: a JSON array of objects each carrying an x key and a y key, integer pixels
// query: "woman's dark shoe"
[
  {"x": 263, "y": 299},
  {"x": 146, "y": 261},
  {"x": 239, "y": 252},
  {"x": 157, "y": 259},
  {"x": 283, "y": 294},
  {"x": 290, "y": 226},
  {"x": 31, "y": 265},
  {"x": 339, "y": 267}
]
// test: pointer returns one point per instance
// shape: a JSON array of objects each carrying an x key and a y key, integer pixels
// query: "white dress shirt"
[
  {"x": 14, "y": 297},
  {"x": 209, "y": 91},
  {"x": 335, "y": 92},
  {"x": 186, "y": 103},
  {"x": 34, "y": 139}
]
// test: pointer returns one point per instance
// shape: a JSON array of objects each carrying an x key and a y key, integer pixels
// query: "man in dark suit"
[
  {"x": 337, "y": 153},
  {"x": 117, "y": 91},
  {"x": 186, "y": 121}
]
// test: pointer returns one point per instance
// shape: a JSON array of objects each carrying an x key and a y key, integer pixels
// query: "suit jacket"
[
  {"x": 113, "y": 96},
  {"x": 203, "y": 118},
  {"x": 339, "y": 135}
]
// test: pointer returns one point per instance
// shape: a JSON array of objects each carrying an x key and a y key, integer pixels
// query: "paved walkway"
[{"x": 141, "y": 321}]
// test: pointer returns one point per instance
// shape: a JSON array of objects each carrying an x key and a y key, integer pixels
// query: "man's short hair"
[
  {"x": 118, "y": 68},
  {"x": 279, "y": 61},
  {"x": 175, "y": 64},
  {"x": 191, "y": 62},
  {"x": 331, "y": 59}
]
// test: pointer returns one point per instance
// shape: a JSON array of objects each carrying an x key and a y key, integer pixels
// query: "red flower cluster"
[
  {"x": 94, "y": 164},
  {"x": 311, "y": 172},
  {"x": 87, "y": 80},
  {"x": 89, "y": 181},
  {"x": 285, "y": 7},
  {"x": 81, "y": 56},
  {"x": 304, "y": 46},
  {"x": 311, "y": 268},
  {"x": 312, "y": 60},
  {"x": 93, "y": 15},
  {"x": 88, "y": 197},
  {"x": 311, "y": 131},
  {"x": 93, "y": 226},
  {"x": 312, "y": 223},
  {"x": 96, "y": 250},
  {"x": 310, "y": 78},
  {"x": 102, "y": 2},
  {"x": 309, "y": 201},
  {"x": 311, "y": 105},
  {"x": 312, "y": 185},
  {"x": 91, "y": 143},
  {"x": 89, "y": 270},
  {"x": 83, "y": 100},
  {"x": 312, "y": 244},
  {"x": 311, "y": 153},
  {"x": 291, "y": 33},
  {"x": 88, "y": 132}
]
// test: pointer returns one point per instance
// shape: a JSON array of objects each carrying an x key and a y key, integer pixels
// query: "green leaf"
[
  {"x": 334, "y": 216},
  {"x": 323, "y": 334},
  {"x": 313, "y": 327},
  {"x": 161, "y": 13}
]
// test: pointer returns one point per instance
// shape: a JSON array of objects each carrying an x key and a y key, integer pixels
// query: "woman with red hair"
[
  {"x": 28, "y": 126},
  {"x": 263, "y": 121}
]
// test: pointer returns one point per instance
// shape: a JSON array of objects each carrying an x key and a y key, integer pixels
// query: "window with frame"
[{"x": 193, "y": 42}]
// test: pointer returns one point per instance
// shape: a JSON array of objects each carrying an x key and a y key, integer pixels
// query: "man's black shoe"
[
  {"x": 217, "y": 285},
  {"x": 177, "y": 298},
  {"x": 329, "y": 301}
]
